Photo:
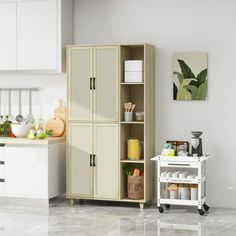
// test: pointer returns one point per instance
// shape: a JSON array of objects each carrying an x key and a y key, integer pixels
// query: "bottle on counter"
[
  {"x": 7, "y": 127},
  {"x": 1, "y": 126},
  {"x": 32, "y": 133},
  {"x": 40, "y": 131}
]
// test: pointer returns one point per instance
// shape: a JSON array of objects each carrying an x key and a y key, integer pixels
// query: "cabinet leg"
[
  {"x": 72, "y": 202},
  {"x": 141, "y": 205}
]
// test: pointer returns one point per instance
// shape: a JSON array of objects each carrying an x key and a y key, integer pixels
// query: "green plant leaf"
[
  {"x": 201, "y": 77},
  {"x": 180, "y": 76},
  {"x": 175, "y": 91},
  {"x": 202, "y": 91},
  {"x": 186, "y": 71},
  {"x": 193, "y": 89},
  {"x": 183, "y": 93}
]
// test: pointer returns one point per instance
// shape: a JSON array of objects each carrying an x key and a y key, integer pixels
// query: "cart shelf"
[{"x": 182, "y": 181}]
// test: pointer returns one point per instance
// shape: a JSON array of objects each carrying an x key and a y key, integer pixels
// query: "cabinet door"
[
  {"x": 37, "y": 35},
  {"x": 79, "y": 93},
  {"x": 26, "y": 171},
  {"x": 8, "y": 36},
  {"x": 2, "y": 171},
  {"x": 106, "y": 92},
  {"x": 107, "y": 161},
  {"x": 80, "y": 181}
]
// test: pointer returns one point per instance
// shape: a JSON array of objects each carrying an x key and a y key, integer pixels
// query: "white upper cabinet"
[
  {"x": 8, "y": 36},
  {"x": 39, "y": 30},
  {"x": 37, "y": 35}
]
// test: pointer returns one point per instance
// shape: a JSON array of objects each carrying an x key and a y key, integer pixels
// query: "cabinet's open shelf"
[
  {"x": 127, "y": 131},
  {"x": 132, "y": 161},
  {"x": 134, "y": 94},
  {"x": 132, "y": 122},
  {"x": 126, "y": 83},
  {"x": 124, "y": 178},
  {"x": 125, "y": 199}
]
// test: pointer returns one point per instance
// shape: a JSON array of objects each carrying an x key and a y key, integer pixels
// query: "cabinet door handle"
[
  {"x": 94, "y": 83},
  {"x": 91, "y": 163},
  {"x": 2, "y": 162},
  {"x": 94, "y": 158},
  {"x": 91, "y": 80}
]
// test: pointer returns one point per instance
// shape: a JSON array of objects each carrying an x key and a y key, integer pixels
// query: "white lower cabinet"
[
  {"x": 92, "y": 161},
  {"x": 32, "y": 171}
]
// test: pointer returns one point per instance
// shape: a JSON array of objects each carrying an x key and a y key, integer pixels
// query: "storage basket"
[{"x": 135, "y": 187}]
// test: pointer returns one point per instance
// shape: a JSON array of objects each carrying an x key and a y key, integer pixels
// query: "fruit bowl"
[{"x": 20, "y": 130}]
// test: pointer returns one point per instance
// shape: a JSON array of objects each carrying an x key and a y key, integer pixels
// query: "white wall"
[
  {"x": 175, "y": 26},
  {"x": 51, "y": 88}
]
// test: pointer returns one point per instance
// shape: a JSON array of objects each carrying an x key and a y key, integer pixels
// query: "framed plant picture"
[{"x": 190, "y": 81}]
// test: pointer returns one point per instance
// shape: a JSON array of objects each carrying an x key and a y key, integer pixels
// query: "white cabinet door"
[
  {"x": 37, "y": 35},
  {"x": 106, "y": 149},
  {"x": 26, "y": 172},
  {"x": 2, "y": 171},
  {"x": 8, "y": 36},
  {"x": 80, "y": 106},
  {"x": 80, "y": 176},
  {"x": 106, "y": 92}
]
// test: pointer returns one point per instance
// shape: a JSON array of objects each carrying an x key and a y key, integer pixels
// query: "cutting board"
[
  {"x": 60, "y": 112},
  {"x": 57, "y": 125}
]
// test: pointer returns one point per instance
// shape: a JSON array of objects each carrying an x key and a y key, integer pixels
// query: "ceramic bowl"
[{"x": 20, "y": 130}]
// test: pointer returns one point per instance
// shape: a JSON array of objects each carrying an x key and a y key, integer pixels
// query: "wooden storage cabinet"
[
  {"x": 80, "y": 93},
  {"x": 93, "y": 75},
  {"x": 93, "y": 161},
  {"x": 106, "y": 149},
  {"x": 79, "y": 151},
  {"x": 106, "y": 83},
  {"x": 98, "y": 134}
]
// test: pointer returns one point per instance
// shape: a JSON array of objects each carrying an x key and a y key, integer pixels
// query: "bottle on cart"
[
  {"x": 1, "y": 126},
  {"x": 7, "y": 127}
]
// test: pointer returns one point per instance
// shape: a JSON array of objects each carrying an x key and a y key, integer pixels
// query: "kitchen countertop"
[{"x": 26, "y": 141}]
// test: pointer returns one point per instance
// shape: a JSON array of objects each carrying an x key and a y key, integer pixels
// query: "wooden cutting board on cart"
[
  {"x": 60, "y": 112},
  {"x": 57, "y": 125}
]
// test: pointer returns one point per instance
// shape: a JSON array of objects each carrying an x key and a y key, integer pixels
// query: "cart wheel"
[
  {"x": 206, "y": 208},
  {"x": 161, "y": 210},
  {"x": 167, "y": 206},
  {"x": 201, "y": 212}
]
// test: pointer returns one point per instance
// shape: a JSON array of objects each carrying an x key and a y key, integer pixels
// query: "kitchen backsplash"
[{"x": 51, "y": 88}]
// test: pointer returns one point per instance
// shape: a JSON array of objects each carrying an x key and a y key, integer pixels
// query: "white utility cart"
[{"x": 195, "y": 165}]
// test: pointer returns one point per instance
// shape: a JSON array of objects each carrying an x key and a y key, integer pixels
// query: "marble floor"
[{"x": 111, "y": 219}]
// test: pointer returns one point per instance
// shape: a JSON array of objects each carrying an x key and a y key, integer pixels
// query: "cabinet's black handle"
[
  {"x": 94, "y": 158},
  {"x": 91, "y": 163},
  {"x": 2, "y": 144},
  {"x": 2, "y": 180},
  {"x": 94, "y": 83},
  {"x": 2, "y": 162},
  {"x": 91, "y": 80}
]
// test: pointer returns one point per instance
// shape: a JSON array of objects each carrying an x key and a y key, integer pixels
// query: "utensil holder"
[{"x": 128, "y": 116}]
